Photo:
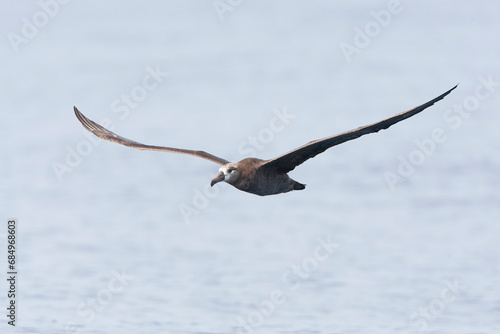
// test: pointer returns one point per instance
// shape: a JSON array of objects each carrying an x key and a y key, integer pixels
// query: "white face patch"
[{"x": 231, "y": 172}]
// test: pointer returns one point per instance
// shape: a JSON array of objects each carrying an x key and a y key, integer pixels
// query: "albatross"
[{"x": 257, "y": 176}]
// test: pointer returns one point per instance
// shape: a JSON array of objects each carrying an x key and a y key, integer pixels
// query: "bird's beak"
[{"x": 218, "y": 178}]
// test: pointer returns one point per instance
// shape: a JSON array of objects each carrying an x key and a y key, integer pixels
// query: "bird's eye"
[{"x": 230, "y": 170}]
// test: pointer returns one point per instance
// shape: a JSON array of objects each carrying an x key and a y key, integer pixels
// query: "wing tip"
[
  {"x": 87, "y": 123},
  {"x": 77, "y": 112},
  {"x": 450, "y": 90},
  {"x": 442, "y": 96}
]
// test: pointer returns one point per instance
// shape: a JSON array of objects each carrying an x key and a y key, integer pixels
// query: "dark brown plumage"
[{"x": 263, "y": 177}]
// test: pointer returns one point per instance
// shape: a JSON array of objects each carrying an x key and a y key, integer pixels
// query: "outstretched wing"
[
  {"x": 104, "y": 133},
  {"x": 290, "y": 160}
]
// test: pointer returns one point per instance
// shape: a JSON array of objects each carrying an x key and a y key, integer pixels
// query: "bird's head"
[{"x": 229, "y": 173}]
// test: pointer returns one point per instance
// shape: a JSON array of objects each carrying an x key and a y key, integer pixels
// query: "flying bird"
[{"x": 263, "y": 177}]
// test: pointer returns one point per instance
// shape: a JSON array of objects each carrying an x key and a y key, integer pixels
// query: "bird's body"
[
  {"x": 257, "y": 178},
  {"x": 263, "y": 177}
]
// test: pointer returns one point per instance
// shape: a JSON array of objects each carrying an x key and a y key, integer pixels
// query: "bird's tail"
[{"x": 298, "y": 186}]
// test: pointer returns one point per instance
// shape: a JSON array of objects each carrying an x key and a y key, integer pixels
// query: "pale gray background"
[{"x": 119, "y": 209}]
